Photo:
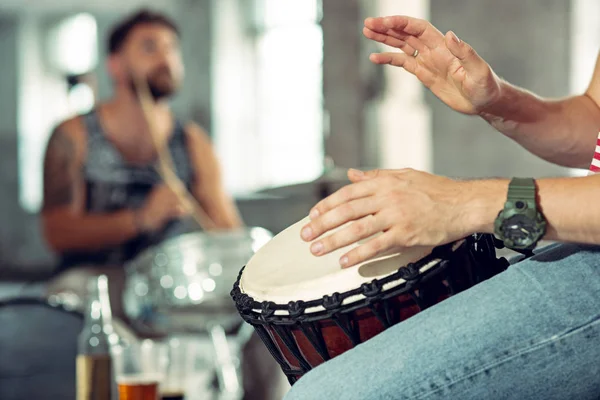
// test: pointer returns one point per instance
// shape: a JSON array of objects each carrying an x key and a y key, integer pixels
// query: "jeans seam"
[{"x": 529, "y": 349}]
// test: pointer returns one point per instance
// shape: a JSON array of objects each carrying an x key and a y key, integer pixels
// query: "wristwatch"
[{"x": 520, "y": 225}]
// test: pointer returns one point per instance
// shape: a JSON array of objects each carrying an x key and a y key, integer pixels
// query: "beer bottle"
[{"x": 94, "y": 364}]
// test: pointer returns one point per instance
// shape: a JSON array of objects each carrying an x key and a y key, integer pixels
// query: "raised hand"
[{"x": 449, "y": 67}]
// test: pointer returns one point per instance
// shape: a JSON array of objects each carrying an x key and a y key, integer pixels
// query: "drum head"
[{"x": 285, "y": 270}]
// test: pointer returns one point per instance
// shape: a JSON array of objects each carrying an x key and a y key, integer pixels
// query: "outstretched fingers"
[
  {"x": 389, "y": 40},
  {"x": 408, "y": 62},
  {"x": 401, "y": 26}
]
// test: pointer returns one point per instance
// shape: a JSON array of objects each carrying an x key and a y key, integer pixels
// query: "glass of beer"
[
  {"x": 180, "y": 357},
  {"x": 139, "y": 370}
]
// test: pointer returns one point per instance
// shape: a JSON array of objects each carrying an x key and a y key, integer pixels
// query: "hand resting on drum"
[{"x": 411, "y": 208}]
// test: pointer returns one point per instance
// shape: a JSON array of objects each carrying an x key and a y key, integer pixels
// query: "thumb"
[
  {"x": 356, "y": 175},
  {"x": 467, "y": 56}
]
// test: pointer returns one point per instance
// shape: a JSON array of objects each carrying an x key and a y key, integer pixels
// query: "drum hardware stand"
[
  {"x": 227, "y": 371},
  {"x": 224, "y": 353}
]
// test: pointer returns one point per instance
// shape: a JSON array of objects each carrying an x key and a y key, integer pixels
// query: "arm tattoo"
[{"x": 59, "y": 171}]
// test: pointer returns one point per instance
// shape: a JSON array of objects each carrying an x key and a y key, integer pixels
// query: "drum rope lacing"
[{"x": 483, "y": 248}]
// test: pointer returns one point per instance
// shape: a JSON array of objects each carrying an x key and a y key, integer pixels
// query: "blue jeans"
[{"x": 531, "y": 332}]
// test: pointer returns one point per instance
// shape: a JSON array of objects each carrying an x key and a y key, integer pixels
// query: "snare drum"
[
  {"x": 184, "y": 282},
  {"x": 307, "y": 309}
]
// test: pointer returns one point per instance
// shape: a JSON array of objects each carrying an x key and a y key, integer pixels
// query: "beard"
[{"x": 161, "y": 83}]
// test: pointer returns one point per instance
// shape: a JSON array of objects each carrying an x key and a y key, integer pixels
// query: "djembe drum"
[{"x": 308, "y": 310}]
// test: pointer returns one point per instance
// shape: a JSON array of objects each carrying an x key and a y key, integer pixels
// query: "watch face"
[{"x": 520, "y": 229}]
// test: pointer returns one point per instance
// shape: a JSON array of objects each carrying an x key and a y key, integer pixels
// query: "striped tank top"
[{"x": 595, "y": 165}]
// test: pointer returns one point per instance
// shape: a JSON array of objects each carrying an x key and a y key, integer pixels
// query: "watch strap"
[{"x": 521, "y": 189}]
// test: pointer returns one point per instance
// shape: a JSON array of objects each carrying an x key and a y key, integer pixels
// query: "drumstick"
[{"x": 165, "y": 167}]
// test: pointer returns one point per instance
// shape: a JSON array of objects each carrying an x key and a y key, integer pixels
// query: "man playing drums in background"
[
  {"x": 104, "y": 202},
  {"x": 531, "y": 332}
]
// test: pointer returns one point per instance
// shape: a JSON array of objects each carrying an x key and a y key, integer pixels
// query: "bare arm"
[
  {"x": 560, "y": 131},
  {"x": 66, "y": 225},
  {"x": 208, "y": 186},
  {"x": 414, "y": 208},
  {"x": 561, "y": 201}
]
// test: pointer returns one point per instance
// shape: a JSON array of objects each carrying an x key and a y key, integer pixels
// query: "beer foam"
[{"x": 139, "y": 379}]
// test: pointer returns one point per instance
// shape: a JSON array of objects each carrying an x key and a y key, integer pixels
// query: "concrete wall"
[
  {"x": 527, "y": 43},
  {"x": 343, "y": 92},
  {"x": 19, "y": 232}
]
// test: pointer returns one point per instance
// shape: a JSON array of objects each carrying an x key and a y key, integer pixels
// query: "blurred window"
[
  {"x": 55, "y": 83},
  {"x": 268, "y": 100},
  {"x": 289, "y": 109}
]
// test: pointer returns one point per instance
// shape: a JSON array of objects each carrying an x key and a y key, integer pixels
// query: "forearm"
[
  {"x": 563, "y": 131},
  {"x": 567, "y": 204},
  {"x": 218, "y": 205},
  {"x": 224, "y": 214},
  {"x": 67, "y": 231}
]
